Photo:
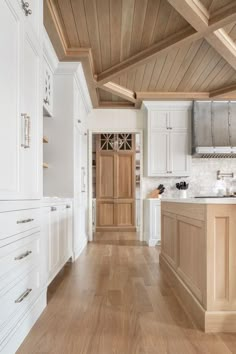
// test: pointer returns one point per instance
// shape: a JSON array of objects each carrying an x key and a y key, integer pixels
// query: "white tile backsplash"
[{"x": 202, "y": 180}]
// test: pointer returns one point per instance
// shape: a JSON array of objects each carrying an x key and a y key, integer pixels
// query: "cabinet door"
[
  {"x": 11, "y": 31},
  {"x": 33, "y": 14},
  {"x": 179, "y": 119},
  {"x": 47, "y": 90},
  {"x": 31, "y": 156},
  {"x": 179, "y": 154},
  {"x": 54, "y": 242},
  {"x": 158, "y": 158},
  {"x": 62, "y": 234},
  {"x": 159, "y": 119}
]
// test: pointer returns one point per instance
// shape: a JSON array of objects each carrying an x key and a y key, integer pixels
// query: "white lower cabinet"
[
  {"x": 152, "y": 221},
  {"x": 35, "y": 244},
  {"x": 22, "y": 285},
  {"x": 58, "y": 218}
]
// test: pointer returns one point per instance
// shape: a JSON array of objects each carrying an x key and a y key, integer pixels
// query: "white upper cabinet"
[
  {"x": 31, "y": 120},
  {"x": 168, "y": 139},
  {"x": 20, "y": 73},
  {"x": 47, "y": 89},
  {"x": 11, "y": 37},
  {"x": 31, "y": 10}
]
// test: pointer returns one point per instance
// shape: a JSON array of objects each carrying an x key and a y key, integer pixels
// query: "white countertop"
[{"x": 200, "y": 200}]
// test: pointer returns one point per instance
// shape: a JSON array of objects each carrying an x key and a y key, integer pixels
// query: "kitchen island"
[{"x": 198, "y": 255}]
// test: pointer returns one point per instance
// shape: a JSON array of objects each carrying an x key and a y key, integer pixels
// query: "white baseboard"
[
  {"x": 77, "y": 252},
  {"x": 17, "y": 336}
]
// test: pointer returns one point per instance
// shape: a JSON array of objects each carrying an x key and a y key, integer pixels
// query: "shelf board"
[
  {"x": 45, "y": 139},
  {"x": 45, "y": 165}
]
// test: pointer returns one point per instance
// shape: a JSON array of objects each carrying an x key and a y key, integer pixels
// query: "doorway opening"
[{"x": 115, "y": 186}]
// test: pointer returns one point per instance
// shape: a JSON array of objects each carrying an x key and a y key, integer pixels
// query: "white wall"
[
  {"x": 203, "y": 176},
  {"x": 115, "y": 119}
]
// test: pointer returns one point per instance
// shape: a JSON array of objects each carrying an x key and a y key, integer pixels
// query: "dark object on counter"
[
  {"x": 161, "y": 188},
  {"x": 182, "y": 185}
]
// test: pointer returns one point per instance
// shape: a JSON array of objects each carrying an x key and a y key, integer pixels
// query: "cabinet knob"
[
  {"x": 53, "y": 208},
  {"x": 25, "y": 7},
  {"x": 68, "y": 207}
]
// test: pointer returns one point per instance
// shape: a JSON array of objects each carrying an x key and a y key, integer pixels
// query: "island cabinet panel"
[
  {"x": 168, "y": 242},
  {"x": 198, "y": 255},
  {"x": 221, "y": 257},
  {"x": 190, "y": 255}
]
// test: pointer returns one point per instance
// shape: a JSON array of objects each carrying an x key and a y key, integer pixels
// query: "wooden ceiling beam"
[
  {"x": 223, "y": 92},
  {"x": 119, "y": 91},
  {"x": 197, "y": 16},
  {"x": 152, "y": 96},
  {"x": 224, "y": 16},
  {"x": 185, "y": 36}
]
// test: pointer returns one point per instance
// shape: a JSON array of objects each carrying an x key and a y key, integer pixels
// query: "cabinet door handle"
[
  {"x": 53, "y": 208},
  {"x": 23, "y": 255},
  {"x": 25, "y": 7},
  {"x": 23, "y": 127},
  {"x": 23, "y": 296},
  {"x": 24, "y": 221},
  {"x": 27, "y": 132},
  {"x": 83, "y": 180},
  {"x": 68, "y": 207}
]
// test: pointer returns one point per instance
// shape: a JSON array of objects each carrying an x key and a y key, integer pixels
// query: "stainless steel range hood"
[{"x": 214, "y": 129}]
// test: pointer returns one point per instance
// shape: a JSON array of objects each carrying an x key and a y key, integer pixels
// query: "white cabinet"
[
  {"x": 47, "y": 89},
  {"x": 22, "y": 259},
  {"x": 152, "y": 221},
  {"x": 20, "y": 92},
  {"x": 66, "y": 153},
  {"x": 58, "y": 218},
  {"x": 168, "y": 142}
]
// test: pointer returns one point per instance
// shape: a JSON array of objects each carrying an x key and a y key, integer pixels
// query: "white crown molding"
[
  {"x": 167, "y": 104},
  {"x": 75, "y": 69},
  {"x": 49, "y": 52}
]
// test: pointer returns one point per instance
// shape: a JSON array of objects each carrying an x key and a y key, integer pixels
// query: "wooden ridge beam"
[{"x": 198, "y": 17}]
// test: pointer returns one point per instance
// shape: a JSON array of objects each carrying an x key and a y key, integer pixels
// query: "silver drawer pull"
[
  {"x": 53, "y": 208},
  {"x": 23, "y": 296},
  {"x": 24, "y": 221},
  {"x": 23, "y": 255}
]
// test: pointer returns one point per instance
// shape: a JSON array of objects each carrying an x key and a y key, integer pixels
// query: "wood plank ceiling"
[{"x": 147, "y": 49}]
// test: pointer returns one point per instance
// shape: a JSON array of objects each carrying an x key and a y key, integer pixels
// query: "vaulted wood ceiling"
[{"x": 133, "y": 50}]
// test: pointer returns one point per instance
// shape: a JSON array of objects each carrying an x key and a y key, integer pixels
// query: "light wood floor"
[{"x": 115, "y": 300}]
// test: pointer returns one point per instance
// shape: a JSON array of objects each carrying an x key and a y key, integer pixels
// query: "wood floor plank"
[{"x": 115, "y": 300}]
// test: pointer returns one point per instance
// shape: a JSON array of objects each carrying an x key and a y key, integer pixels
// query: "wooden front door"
[{"x": 115, "y": 180}]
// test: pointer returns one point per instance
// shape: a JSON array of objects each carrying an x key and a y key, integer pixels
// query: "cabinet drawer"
[
  {"x": 15, "y": 300},
  {"x": 18, "y": 257},
  {"x": 14, "y": 222}
]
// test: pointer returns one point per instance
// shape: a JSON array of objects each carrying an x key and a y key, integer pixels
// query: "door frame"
[{"x": 91, "y": 132}]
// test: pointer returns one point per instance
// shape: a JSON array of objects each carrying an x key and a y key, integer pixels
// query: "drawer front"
[
  {"x": 15, "y": 222},
  {"x": 15, "y": 300},
  {"x": 18, "y": 257}
]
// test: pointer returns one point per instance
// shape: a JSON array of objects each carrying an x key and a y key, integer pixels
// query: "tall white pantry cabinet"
[{"x": 20, "y": 89}]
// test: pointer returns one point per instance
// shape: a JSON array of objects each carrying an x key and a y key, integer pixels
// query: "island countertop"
[{"x": 220, "y": 200}]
